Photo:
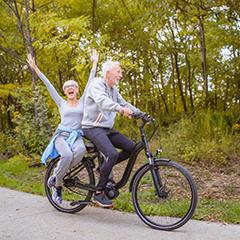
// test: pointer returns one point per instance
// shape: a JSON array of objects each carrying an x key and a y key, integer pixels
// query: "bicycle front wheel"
[
  {"x": 178, "y": 202},
  {"x": 72, "y": 190}
]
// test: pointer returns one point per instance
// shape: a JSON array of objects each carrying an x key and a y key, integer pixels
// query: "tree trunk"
[
  {"x": 164, "y": 101},
  {"x": 226, "y": 95},
  {"x": 236, "y": 58},
  {"x": 216, "y": 89},
  {"x": 25, "y": 33},
  {"x": 162, "y": 83},
  {"x": 173, "y": 85},
  {"x": 204, "y": 59},
  {"x": 189, "y": 80},
  {"x": 179, "y": 82}
]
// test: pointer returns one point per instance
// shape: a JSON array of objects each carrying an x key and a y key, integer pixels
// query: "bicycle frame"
[{"x": 140, "y": 145}]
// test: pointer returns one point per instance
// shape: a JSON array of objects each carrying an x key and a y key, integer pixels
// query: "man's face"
[{"x": 115, "y": 74}]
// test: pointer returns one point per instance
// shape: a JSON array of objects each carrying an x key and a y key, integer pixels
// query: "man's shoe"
[
  {"x": 102, "y": 200},
  {"x": 57, "y": 194},
  {"x": 51, "y": 181}
]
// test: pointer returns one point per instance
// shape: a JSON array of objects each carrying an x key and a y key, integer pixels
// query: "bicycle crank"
[{"x": 111, "y": 191}]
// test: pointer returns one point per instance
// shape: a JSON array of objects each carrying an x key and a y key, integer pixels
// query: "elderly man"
[{"x": 102, "y": 102}]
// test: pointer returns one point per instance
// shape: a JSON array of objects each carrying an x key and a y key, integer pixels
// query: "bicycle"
[{"x": 163, "y": 192}]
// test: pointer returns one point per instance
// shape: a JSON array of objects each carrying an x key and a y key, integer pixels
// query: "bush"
[
  {"x": 28, "y": 137},
  {"x": 207, "y": 137}
]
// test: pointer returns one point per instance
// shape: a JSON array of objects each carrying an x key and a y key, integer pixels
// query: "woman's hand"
[
  {"x": 94, "y": 57},
  {"x": 31, "y": 61},
  {"x": 32, "y": 64}
]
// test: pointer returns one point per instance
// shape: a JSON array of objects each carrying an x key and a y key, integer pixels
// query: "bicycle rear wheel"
[
  {"x": 81, "y": 175},
  {"x": 180, "y": 200}
]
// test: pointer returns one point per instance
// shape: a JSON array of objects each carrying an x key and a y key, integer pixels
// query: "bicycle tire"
[
  {"x": 71, "y": 192},
  {"x": 169, "y": 212}
]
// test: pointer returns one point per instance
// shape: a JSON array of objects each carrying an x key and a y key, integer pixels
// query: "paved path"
[{"x": 26, "y": 216}]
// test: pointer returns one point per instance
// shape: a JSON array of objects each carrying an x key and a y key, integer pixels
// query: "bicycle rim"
[
  {"x": 71, "y": 190},
  {"x": 175, "y": 209}
]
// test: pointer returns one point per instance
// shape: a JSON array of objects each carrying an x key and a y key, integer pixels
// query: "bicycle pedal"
[{"x": 79, "y": 203}]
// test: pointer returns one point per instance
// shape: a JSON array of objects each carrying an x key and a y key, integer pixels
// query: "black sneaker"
[{"x": 102, "y": 200}]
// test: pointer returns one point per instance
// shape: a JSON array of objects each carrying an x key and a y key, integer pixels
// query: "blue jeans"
[{"x": 107, "y": 140}]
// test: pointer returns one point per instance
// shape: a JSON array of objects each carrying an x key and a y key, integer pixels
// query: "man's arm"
[
  {"x": 97, "y": 91},
  {"x": 127, "y": 108}
]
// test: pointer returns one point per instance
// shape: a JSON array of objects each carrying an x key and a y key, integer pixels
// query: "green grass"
[
  {"x": 16, "y": 174},
  {"x": 224, "y": 211}
]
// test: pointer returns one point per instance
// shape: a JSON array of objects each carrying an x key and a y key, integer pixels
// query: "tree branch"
[{"x": 13, "y": 55}]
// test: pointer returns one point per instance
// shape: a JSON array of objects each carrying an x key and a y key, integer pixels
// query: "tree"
[{"x": 19, "y": 11}]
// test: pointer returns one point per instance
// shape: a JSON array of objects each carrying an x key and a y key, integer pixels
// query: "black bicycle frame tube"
[
  {"x": 144, "y": 139},
  {"x": 138, "y": 148},
  {"x": 142, "y": 144}
]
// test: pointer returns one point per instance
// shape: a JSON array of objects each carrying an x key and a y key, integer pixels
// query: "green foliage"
[
  {"x": 26, "y": 137},
  {"x": 206, "y": 137}
]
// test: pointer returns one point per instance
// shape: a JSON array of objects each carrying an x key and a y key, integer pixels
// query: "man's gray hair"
[
  {"x": 70, "y": 82},
  {"x": 107, "y": 66}
]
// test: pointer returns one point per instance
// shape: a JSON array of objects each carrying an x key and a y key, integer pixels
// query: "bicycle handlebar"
[
  {"x": 145, "y": 119},
  {"x": 144, "y": 116}
]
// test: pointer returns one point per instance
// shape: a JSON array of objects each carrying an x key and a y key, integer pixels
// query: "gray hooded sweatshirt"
[{"x": 101, "y": 104}]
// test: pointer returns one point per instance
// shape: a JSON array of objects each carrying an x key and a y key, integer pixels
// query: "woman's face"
[{"x": 71, "y": 91}]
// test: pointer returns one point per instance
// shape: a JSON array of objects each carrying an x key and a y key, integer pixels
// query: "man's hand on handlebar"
[{"x": 126, "y": 112}]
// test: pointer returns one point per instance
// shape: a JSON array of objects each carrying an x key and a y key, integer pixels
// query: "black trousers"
[{"x": 107, "y": 140}]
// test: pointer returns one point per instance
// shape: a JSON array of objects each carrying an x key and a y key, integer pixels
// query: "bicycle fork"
[
  {"x": 154, "y": 169},
  {"x": 158, "y": 185},
  {"x": 158, "y": 182}
]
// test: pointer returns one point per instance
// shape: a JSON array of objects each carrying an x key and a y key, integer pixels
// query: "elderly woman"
[{"x": 66, "y": 141}]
